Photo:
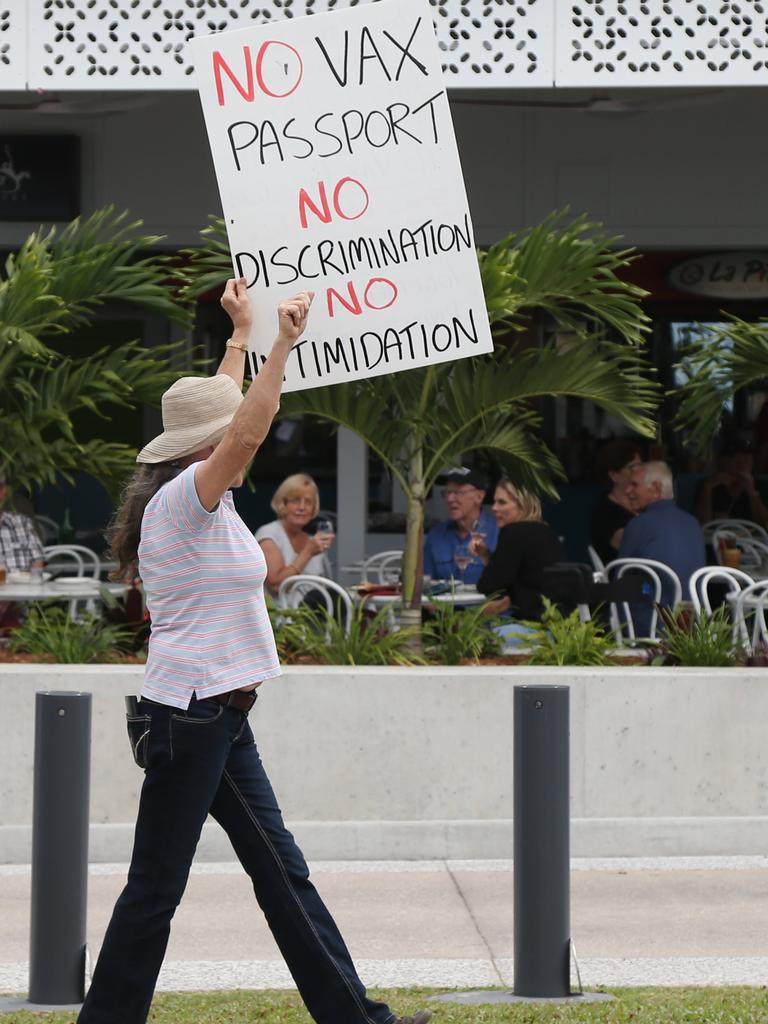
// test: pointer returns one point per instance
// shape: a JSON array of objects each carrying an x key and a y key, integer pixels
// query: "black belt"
[{"x": 241, "y": 700}]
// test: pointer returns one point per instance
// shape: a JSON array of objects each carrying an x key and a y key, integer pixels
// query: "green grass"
[{"x": 633, "y": 1006}]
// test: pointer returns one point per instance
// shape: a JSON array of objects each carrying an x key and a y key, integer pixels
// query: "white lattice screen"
[
  {"x": 139, "y": 44},
  {"x": 662, "y": 42},
  {"x": 13, "y": 40}
]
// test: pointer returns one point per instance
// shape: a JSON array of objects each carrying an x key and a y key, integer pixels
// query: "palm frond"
[
  {"x": 717, "y": 364},
  {"x": 568, "y": 270}
]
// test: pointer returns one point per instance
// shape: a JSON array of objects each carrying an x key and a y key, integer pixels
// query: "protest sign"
[{"x": 338, "y": 171}]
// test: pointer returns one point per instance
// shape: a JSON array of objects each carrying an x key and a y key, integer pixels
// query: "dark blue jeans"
[{"x": 197, "y": 762}]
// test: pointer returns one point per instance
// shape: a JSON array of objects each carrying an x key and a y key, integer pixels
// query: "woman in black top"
[
  {"x": 526, "y": 547},
  {"x": 614, "y": 509}
]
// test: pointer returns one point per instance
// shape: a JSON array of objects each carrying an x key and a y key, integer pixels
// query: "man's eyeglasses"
[{"x": 457, "y": 492}]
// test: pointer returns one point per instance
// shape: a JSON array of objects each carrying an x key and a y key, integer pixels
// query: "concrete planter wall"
[{"x": 404, "y": 763}]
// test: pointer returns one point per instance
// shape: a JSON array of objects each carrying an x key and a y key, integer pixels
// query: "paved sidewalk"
[{"x": 683, "y": 921}]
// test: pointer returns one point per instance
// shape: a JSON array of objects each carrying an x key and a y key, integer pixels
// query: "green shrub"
[
  {"x": 706, "y": 641},
  {"x": 49, "y": 631},
  {"x": 565, "y": 640},
  {"x": 456, "y": 634},
  {"x": 311, "y": 634}
]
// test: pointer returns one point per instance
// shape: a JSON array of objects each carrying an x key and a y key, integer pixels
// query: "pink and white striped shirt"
[{"x": 203, "y": 575}]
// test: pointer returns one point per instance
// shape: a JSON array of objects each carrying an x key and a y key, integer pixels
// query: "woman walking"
[{"x": 211, "y": 646}]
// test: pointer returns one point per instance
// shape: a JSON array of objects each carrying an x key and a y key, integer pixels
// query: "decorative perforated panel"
[
  {"x": 662, "y": 42},
  {"x": 132, "y": 44},
  {"x": 13, "y": 37}
]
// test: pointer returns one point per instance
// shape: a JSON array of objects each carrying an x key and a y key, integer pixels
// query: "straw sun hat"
[{"x": 196, "y": 413}]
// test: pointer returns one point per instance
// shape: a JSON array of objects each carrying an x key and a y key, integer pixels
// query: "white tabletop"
[
  {"x": 58, "y": 591},
  {"x": 460, "y": 597}
]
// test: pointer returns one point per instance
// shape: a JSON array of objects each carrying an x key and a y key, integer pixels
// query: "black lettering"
[
  {"x": 389, "y": 255},
  {"x": 459, "y": 326},
  {"x": 351, "y": 138},
  {"x": 371, "y": 334},
  {"x": 237, "y": 148},
  {"x": 325, "y": 251},
  {"x": 406, "y": 52},
  {"x": 297, "y": 138},
  {"x": 358, "y": 247},
  {"x": 452, "y": 237},
  {"x": 242, "y": 271},
  {"x": 297, "y": 349},
  {"x": 269, "y": 139},
  {"x": 720, "y": 272},
  {"x": 365, "y": 35},
  {"x": 430, "y": 103},
  {"x": 341, "y": 80},
  {"x": 288, "y": 266},
  {"x": 330, "y": 135},
  {"x": 465, "y": 238},
  {"x": 407, "y": 241},
  {"x": 395, "y": 122},
  {"x": 387, "y": 129},
  {"x": 435, "y": 330},
  {"x": 754, "y": 268},
  {"x": 334, "y": 356},
  {"x": 396, "y": 343},
  {"x": 407, "y": 330},
  {"x": 302, "y": 271}
]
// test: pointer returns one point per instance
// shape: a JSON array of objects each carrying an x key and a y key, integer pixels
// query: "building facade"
[{"x": 646, "y": 116}]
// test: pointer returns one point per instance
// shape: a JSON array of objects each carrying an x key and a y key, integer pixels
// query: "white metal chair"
[
  {"x": 752, "y": 601},
  {"x": 656, "y": 572},
  {"x": 734, "y": 581},
  {"x": 597, "y": 563},
  {"x": 754, "y": 553},
  {"x": 293, "y": 591},
  {"x": 86, "y": 560},
  {"x": 386, "y": 565},
  {"x": 48, "y": 529},
  {"x": 740, "y": 527},
  {"x": 86, "y": 563}
]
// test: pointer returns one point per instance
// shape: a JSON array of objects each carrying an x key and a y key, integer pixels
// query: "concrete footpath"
[{"x": 681, "y": 921}]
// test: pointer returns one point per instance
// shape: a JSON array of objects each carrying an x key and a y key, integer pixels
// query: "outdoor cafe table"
[
  {"x": 462, "y": 598},
  {"x": 59, "y": 590}
]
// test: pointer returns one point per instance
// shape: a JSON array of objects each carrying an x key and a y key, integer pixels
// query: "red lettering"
[
  {"x": 380, "y": 280},
  {"x": 353, "y": 306},
  {"x": 323, "y": 214},
  {"x": 260, "y": 68},
  {"x": 219, "y": 65},
  {"x": 337, "y": 196}
]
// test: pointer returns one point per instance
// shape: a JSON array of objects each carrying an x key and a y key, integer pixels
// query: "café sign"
[{"x": 723, "y": 275}]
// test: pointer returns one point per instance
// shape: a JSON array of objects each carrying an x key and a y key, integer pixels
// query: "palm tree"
[
  {"x": 420, "y": 421},
  {"x": 48, "y": 289},
  {"x": 721, "y": 361}
]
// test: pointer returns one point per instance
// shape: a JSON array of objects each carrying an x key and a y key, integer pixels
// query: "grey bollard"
[
  {"x": 60, "y": 847},
  {"x": 542, "y": 926}
]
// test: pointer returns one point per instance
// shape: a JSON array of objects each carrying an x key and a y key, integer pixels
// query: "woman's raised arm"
[{"x": 250, "y": 424}]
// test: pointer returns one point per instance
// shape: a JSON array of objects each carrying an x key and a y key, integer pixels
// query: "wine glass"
[
  {"x": 325, "y": 527},
  {"x": 463, "y": 559}
]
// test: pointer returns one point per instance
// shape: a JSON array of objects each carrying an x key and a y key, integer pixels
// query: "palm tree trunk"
[{"x": 413, "y": 561}]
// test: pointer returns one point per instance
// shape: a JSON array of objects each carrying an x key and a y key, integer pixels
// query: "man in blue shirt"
[
  {"x": 661, "y": 531},
  {"x": 446, "y": 547}
]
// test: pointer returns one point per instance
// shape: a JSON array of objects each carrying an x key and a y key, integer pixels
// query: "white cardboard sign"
[{"x": 338, "y": 171}]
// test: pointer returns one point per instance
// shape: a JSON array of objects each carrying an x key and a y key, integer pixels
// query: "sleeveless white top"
[{"x": 316, "y": 566}]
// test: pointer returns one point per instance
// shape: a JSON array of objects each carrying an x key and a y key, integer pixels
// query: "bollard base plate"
[
  {"x": 12, "y": 1004},
  {"x": 498, "y": 996}
]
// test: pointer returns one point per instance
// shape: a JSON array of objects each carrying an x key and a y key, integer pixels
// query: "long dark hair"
[{"x": 124, "y": 531}]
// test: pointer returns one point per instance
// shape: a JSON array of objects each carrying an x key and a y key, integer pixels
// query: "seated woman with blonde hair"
[
  {"x": 288, "y": 549},
  {"x": 526, "y": 547}
]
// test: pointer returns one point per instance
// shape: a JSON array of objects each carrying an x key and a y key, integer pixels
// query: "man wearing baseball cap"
[{"x": 446, "y": 547}]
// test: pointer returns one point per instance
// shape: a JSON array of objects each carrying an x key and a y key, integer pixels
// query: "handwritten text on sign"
[{"x": 338, "y": 171}]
